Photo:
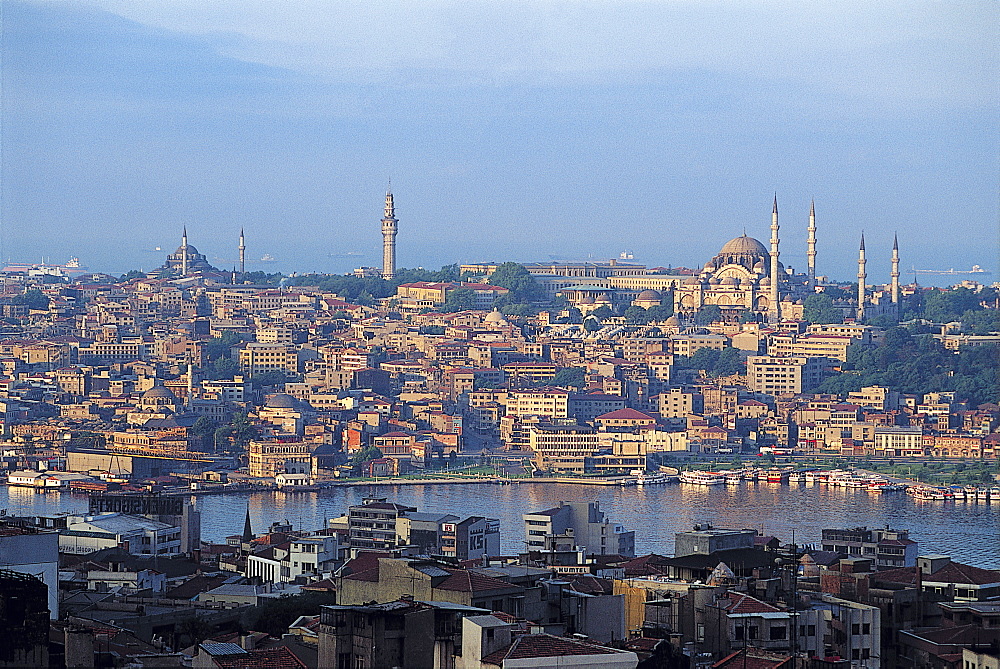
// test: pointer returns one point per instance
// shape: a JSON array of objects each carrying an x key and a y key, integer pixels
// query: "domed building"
[
  {"x": 736, "y": 279},
  {"x": 647, "y": 298},
  {"x": 185, "y": 261}
]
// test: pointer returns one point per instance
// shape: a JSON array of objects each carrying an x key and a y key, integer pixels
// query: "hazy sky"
[{"x": 510, "y": 130}]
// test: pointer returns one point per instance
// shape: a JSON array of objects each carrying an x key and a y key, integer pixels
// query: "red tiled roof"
[
  {"x": 626, "y": 414},
  {"x": 467, "y": 581},
  {"x": 754, "y": 659},
  {"x": 953, "y": 572},
  {"x": 740, "y": 603},
  {"x": 544, "y": 645},
  {"x": 270, "y": 658}
]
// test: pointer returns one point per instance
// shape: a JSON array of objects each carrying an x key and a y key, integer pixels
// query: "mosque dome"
[
  {"x": 729, "y": 281},
  {"x": 713, "y": 281},
  {"x": 159, "y": 392},
  {"x": 495, "y": 317},
  {"x": 191, "y": 251},
  {"x": 691, "y": 281},
  {"x": 743, "y": 245},
  {"x": 282, "y": 401},
  {"x": 586, "y": 299},
  {"x": 765, "y": 281},
  {"x": 648, "y": 295},
  {"x": 673, "y": 321},
  {"x": 759, "y": 268}
]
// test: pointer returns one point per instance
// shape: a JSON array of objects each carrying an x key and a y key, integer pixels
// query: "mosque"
[
  {"x": 745, "y": 276},
  {"x": 187, "y": 261}
]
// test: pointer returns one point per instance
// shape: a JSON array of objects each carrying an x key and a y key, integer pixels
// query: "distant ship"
[
  {"x": 348, "y": 254},
  {"x": 72, "y": 267},
  {"x": 267, "y": 257},
  {"x": 976, "y": 269}
]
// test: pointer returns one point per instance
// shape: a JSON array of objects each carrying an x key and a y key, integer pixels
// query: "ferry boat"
[
  {"x": 797, "y": 477},
  {"x": 734, "y": 478},
  {"x": 701, "y": 478},
  {"x": 995, "y": 495},
  {"x": 777, "y": 476}
]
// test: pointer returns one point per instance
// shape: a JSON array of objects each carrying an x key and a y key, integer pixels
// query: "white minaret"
[
  {"x": 389, "y": 238},
  {"x": 184, "y": 252},
  {"x": 243, "y": 253},
  {"x": 811, "y": 250},
  {"x": 861, "y": 279},
  {"x": 775, "y": 307},
  {"x": 895, "y": 271}
]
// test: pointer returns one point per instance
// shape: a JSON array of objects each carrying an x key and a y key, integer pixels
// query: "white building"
[
  {"x": 138, "y": 535},
  {"x": 36, "y": 553}
]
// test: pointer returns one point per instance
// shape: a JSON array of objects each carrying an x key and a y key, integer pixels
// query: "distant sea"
[{"x": 969, "y": 532}]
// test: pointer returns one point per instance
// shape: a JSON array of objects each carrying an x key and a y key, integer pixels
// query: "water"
[{"x": 969, "y": 532}]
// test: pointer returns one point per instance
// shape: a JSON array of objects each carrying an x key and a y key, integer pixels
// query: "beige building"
[
  {"x": 257, "y": 358},
  {"x": 269, "y": 458},
  {"x": 785, "y": 376}
]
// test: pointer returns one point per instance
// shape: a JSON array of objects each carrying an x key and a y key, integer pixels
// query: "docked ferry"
[{"x": 701, "y": 478}]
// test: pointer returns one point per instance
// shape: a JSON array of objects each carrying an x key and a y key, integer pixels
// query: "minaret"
[
  {"x": 775, "y": 307},
  {"x": 861, "y": 279},
  {"x": 243, "y": 253},
  {"x": 389, "y": 238},
  {"x": 184, "y": 252},
  {"x": 895, "y": 271},
  {"x": 811, "y": 250},
  {"x": 190, "y": 382}
]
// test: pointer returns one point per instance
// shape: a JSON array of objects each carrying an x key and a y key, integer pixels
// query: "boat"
[
  {"x": 777, "y": 476},
  {"x": 976, "y": 269},
  {"x": 701, "y": 478},
  {"x": 734, "y": 479},
  {"x": 995, "y": 495},
  {"x": 797, "y": 477}
]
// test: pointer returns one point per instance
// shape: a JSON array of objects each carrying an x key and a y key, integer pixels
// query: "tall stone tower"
[
  {"x": 243, "y": 254},
  {"x": 862, "y": 275},
  {"x": 389, "y": 238},
  {"x": 184, "y": 252},
  {"x": 774, "y": 299},
  {"x": 895, "y": 271},
  {"x": 811, "y": 249}
]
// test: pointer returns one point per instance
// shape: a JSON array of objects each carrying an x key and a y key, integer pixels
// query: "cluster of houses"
[{"x": 388, "y": 585}]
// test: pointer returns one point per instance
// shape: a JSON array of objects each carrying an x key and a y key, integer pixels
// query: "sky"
[{"x": 525, "y": 131}]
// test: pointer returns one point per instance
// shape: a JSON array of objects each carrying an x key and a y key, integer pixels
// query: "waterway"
[{"x": 969, "y": 532}]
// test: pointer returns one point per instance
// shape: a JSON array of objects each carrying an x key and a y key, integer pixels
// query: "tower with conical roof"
[
  {"x": 862, "y": 275},
  {"x": 243, "y": 252},
  {"x": 774, "y": 306},
  {"x": 184, "y": 252},
  {"x": 389, "y": 238},
  {"x": 247, "y": 530},
  {"x": 811, "y": 246},
  {"x": 895, "y": 271}
]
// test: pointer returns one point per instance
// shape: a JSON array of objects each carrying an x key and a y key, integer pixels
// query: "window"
[
  {"x": 855, "y": 629},
  {"x": 866, "y": 628},
  {"x": 778, "y": 633}
]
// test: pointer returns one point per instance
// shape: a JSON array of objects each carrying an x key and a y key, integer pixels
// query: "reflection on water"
[{"x": 969, "y": 532}]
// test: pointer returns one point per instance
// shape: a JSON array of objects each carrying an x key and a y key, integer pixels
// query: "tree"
[
  {"x": 515, "y": 278},
  {"x": 729, "y": 362},
  {"x": 636, "y": 315},
  {"x": 272, "y": 377},
  {"x": 602, "y": 312},
  {"x": 661, "y": 312},
  {"x": 570, "y": 376},
  {"x": 591, "y": 324},
  {"x": 460, "y": 299},
  {"x": 34, "y": 299},
  {"x": 708, "y": 314},
  {"x": 366, "y": 454},
  {"x": 819, "y": 309},
  {"x": 204, "y": 429},
  {"x": 132, "y": 274}
]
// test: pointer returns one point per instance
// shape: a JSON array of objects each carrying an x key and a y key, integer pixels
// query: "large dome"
[
  {"x": 191, "y": 251},
  {"x": 159, "y": 391},
  {"x": 743, "y": 245},
  {"x": 282, "y": 401}
]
